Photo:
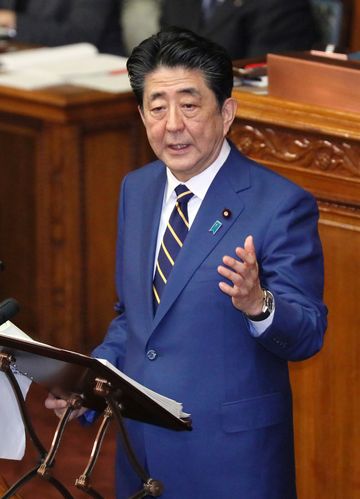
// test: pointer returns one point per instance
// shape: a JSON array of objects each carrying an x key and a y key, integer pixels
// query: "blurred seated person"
[
  {"x": 246, "y": 28},
  {"x": 140, "y": 19},
  {"x": 61, "y": 22}
]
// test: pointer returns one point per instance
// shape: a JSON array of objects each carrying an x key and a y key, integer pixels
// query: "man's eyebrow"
[
  {"x": 189, "y": 90},
  {"x": 186, "y": 91}
]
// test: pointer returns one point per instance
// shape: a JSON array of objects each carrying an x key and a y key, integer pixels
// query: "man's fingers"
[
  {"x": 52, "y": 402},
  {"x": 55, "y": 404},
  {"x": 231, "y": 262},
  {"x": 227, "y": 289},
  {"x": 244, "y": 270},
  {"x": 242, "y": 274},
  {"x": 249, "y": 244},
  {"x": 233, "y": 276},
  {"x": 59, "y": 406}
]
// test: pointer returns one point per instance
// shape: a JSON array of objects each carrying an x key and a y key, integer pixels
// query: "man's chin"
[{"x": 180, "y": 169}]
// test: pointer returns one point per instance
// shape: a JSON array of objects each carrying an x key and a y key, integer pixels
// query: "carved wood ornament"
[{"x": 310, "y": 151}]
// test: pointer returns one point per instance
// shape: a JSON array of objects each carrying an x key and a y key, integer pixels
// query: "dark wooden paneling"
[
  {"x": 326, "y": 388},
  {"x": 102, "y": 181},
  {"x": 353, "y": 7},
  {"x": 64, "y": 152},
  {"x": 18, "y": 146}
]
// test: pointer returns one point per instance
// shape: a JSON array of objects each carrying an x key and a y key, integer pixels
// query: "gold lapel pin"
[{"x": 226, "y": 213}]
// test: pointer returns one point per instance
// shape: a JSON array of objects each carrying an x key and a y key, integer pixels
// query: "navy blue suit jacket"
[
  {"x": 60, "y": 22},
  {"x": 235, "y": 386},
  {"x": 248, "y": 28}
]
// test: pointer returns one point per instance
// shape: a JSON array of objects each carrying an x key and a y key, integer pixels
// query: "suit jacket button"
[{"x": 151, "y": 354}]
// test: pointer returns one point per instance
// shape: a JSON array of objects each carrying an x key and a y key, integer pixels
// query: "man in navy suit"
[
  {"x": 246, "y": 28},
  {"x": 243, "y": 298},
  {"x": 61, "y": 22}
]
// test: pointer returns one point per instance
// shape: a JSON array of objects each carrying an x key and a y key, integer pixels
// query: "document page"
[
  {"x": 77, "y": 64},
  {"x": 171, "y": 405},
  {"x": 12, "y": 430},
  {"x": 21, "y": 59}
]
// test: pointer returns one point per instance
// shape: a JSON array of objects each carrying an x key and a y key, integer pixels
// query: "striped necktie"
[{"x": 174, "y": 236}]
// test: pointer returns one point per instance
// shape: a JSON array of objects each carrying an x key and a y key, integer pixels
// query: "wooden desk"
[
  {"x": 63, "y": 154},
  {"x": 320, "y": 150}
]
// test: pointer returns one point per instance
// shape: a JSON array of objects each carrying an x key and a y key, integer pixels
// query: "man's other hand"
[
  {"x": 59, "y": 406},
  {"x": 243, "y": 272}
]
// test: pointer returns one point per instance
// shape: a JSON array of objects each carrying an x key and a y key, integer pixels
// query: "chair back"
[{"x": 330, "y": 17}]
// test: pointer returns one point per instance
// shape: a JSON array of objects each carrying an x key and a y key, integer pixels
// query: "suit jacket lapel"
[
  {"x": 222, "y": 194},
  {"x": 144, "y": 243}
]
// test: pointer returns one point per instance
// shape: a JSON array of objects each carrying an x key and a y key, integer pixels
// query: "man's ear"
[
  {"x": 228, "y": 112},
  {"x": 141, "y": 112}
]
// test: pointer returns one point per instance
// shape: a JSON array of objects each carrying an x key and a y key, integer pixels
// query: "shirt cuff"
[
  {"x": 258, "y": 327},
  {"x": 88, "y": 417}
]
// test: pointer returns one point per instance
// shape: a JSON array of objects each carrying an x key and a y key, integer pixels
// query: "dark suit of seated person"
[
  {"x": 246, "y": 28},
  {"x": 61, "y": 22}
]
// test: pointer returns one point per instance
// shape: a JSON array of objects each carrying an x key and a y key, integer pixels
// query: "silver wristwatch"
[{"x": 267, "y": 308}]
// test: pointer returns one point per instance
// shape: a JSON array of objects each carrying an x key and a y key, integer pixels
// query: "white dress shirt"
[{"x": 198, "y": 185}]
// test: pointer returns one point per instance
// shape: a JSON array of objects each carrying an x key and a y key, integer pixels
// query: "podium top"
[{"x": 64, "y": 373}]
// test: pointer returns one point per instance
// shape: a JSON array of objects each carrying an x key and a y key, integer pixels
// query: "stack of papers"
[
  {"x": 78, "y": 64},
  {"x": 175, "y": 408}
]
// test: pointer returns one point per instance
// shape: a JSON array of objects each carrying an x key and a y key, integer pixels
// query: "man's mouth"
[{"x": 178, "y": 147}]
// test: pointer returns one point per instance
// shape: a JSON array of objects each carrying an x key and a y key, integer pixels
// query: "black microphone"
[{"x": 8, "y": 308}]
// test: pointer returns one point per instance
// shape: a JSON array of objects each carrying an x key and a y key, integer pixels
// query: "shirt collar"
[{"x": 199, "y": 184}]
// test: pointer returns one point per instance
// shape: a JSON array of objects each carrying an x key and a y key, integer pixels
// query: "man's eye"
[{"x": 157, "y": 109}]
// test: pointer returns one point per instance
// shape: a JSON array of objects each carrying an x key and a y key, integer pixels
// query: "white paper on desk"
[
  {"x": 105, "y": 83},
  {"x": 12, "y": 431},
  {"x": 13, "y": 61},
  {"x": 29, "y": 79},
  {"x": 96, "y": 64},
  {"x": 37, "y": 68}
]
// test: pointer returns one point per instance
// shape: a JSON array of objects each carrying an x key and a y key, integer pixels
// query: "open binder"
[
  {"x": 64, "y": 373},
  {"x": 87, "y": 382}
]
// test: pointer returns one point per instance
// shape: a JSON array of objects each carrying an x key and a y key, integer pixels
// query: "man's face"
[{"x": 184, "y": 124}]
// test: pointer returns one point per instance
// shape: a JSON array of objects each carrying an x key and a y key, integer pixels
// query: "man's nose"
[{"x": 175, "y": 120}]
